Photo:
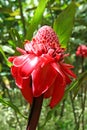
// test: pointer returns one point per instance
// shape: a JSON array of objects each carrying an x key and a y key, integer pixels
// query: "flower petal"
[
  {"x": 32, "y": 63},
  {"x": 23, "y": 84},
  {"x": 67, "y": 65},
  {"x": 58, "y": 93},
  {"x": 42, "y": 79},
  {"x": 17, "y": 77},
  {"x": 57, "y": 67},
  {"x": 49, "y": 92},
  {"x": 66, "y": 69},
  {"x": 20, "y": 60},
  {"x": 68, "y": 80},
  {"x": 11, "y": 58},
  {"x": 27, "y": 89},
  {"x": 21, "y": 50}
]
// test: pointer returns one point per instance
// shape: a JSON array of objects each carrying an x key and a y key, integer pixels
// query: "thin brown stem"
[
  {"x": 62, "y": 108},
  {"x": 73, "y": 107},
  {"x": 83, "y": 97},
  {"x": 22, "y": 17},
  {"x": 83, "y": 107},
  {"x": 34, "y": 113}
]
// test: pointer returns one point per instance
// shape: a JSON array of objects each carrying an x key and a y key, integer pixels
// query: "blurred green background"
[{"x": 19, "y": 20}]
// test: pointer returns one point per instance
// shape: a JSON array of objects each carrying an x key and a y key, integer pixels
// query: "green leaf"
[
  {"x": 15, "y": 13},
  {"x": 10, "y": 104},
  {"x": 16, "y": 38},
  {"x": 7, "y": 49},
  {"x": 5, "y": 58},
  {"x": 36, "y": 19},
  {"x": 48, "y": 117},
  {"x": 5, "y": 10},
  {"x": 76, "y": 84},
  {"x": 64, "y": 23}
]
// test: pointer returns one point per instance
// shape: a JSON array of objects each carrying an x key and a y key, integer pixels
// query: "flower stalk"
[{"x": 35, "y": 113}]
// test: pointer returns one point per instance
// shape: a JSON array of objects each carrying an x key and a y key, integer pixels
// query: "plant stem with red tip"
[{"x": 34, "y": 113}]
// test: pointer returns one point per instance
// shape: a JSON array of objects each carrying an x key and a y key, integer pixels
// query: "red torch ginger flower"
[
  {"x": 41, "y": 69},
  {"x": 82, "y": 51}
]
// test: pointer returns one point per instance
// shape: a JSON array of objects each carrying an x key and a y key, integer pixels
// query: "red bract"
[
  {"x": 82, "y": 51},
  {"x": 41, "y": 69}
]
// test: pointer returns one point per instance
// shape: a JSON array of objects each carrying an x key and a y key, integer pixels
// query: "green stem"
[
  {"x": 62, "y": 109},
  {"x": 34, "y": 113},
  {"x": 73, "y": 108},
  {"x": 22, "y": 17},
  {"x": 83, "y": 97}
]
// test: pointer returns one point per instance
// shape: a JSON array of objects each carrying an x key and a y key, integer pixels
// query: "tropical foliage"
[{"x": 19, "y": 21}]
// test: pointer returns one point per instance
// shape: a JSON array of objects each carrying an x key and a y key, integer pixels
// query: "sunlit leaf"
[
  {"x": 7, "y": 49},
  {"x": 6, "y": 82},
  {"x": 15, "y": 13},
  {"x": 64, "y": 23},
  {"x": 10, "y": 19},
  {"x": 36, "y": 19}
]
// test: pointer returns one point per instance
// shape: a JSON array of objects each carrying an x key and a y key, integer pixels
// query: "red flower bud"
[{"x": 82, "y": 51}]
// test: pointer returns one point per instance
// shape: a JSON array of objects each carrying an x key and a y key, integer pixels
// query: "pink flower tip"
[
  {"x": 81, "y": 51},
  {"x": 46, "y": 35}
]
